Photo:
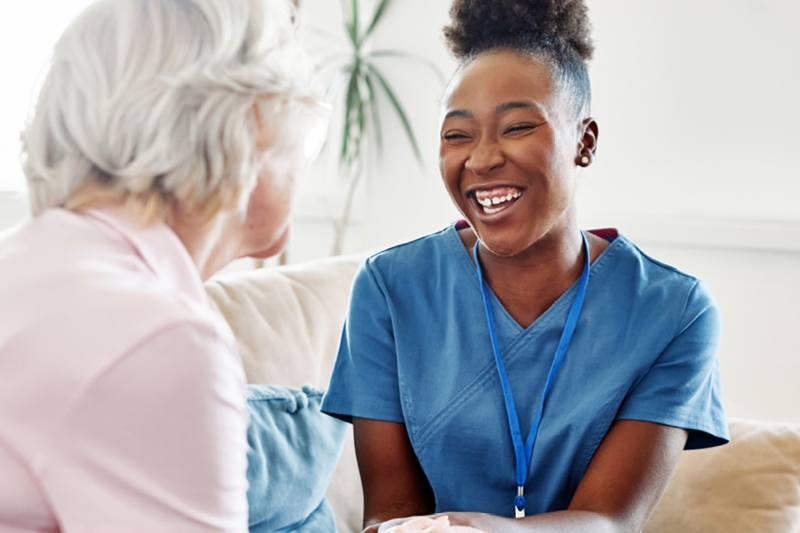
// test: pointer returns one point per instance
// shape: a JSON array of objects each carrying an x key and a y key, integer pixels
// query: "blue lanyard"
[{"x": 524, "y": 451}]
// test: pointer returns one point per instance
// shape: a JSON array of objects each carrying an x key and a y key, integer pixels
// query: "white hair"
[{"x": 156, "y": 99}]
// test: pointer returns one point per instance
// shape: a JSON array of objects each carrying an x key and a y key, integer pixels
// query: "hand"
[
  {"x": 424, "y": 525},
  {"x": 463, "y": 522}
]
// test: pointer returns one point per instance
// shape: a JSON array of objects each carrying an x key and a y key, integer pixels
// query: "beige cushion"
[
  {"x": 751, "y": 485},
  {"x": 288, "y": 322}
]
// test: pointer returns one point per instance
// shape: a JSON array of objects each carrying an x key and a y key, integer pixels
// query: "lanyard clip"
[{"x": 519, "y": 503}]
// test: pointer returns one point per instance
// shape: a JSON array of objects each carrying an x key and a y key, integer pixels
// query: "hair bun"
[{"x": 480, "y": 25}]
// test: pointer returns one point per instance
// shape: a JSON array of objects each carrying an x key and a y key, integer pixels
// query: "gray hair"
[{"x": 155, "y": 100}]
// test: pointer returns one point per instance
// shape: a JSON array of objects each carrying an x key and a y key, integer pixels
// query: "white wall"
[
  {"x": 13, "y": 209},
  {"x": 28, "y": 30},
  {"x": 698, "y": 105}
]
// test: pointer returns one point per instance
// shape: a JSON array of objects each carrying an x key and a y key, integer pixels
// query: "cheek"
[
  {"x": 546, "y": 158},
  {"x": 450, "y": 168},
  {"x": 273, "y": 247},
  {"x": 561, "y": 182},
  {"x": 266, "y": 224},
  {"x": 279, "y": 177}
]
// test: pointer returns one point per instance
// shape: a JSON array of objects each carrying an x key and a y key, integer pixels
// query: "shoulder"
[
  {"x": 636, "y": 283},
  {"x": 410, "y": 272},
  {"x": 195, "y": 350},
  {"x": 646, "y": 271},
  {"x": 83, "y": 299},
  {"x": 420, "y": 256}
]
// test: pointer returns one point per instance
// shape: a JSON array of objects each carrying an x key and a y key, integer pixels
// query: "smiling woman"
[
  {"x": 513, "y": 371},
  {"x": 512, "y": 144},
  {"x": 531, "y": 133}
]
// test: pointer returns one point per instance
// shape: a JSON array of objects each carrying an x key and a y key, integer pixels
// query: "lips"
[{"x": 496, "y": 199}]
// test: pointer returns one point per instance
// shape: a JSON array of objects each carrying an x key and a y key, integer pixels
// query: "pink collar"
[{"x": 158, "y": 247}]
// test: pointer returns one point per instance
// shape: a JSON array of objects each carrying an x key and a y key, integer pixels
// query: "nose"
[{"x": 485, "y": 157}]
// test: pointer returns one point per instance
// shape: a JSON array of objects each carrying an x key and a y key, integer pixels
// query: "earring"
[{"x": 585, "y": 160}]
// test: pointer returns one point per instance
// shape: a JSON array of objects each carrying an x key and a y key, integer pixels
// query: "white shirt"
[{"x": 121, "y": 393}]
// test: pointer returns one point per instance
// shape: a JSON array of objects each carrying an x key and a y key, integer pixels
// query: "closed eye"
[
  {"x": 519, "y": 127},
  {"x": 454, "y": 136}
]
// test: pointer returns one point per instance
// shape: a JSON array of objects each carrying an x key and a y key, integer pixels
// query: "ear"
[{"x": 587, "y": 146}]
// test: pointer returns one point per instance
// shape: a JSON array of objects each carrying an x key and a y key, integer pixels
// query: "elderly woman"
[
  {"x": 511, "y": 370},
  {"x": 164, "y": 144}
]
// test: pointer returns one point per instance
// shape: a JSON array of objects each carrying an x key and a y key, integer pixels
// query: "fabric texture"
[
  {"x": 294, "y": 449},
  {"x": 752, "y": 485},
  {"x": 121, "y": 393},
  {"x": 288, "y": 322},
  {"x": 296, "y": 311},
  {"x": 416, "y": 350}
]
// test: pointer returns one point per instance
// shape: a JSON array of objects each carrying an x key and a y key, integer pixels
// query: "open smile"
[{"x": 495, "y": 200}]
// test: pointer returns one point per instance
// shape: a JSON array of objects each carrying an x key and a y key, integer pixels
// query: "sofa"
[{"x": 288, "y": 320}]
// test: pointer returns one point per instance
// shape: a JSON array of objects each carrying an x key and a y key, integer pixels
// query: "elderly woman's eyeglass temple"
[{"x": 315, "y": 139}]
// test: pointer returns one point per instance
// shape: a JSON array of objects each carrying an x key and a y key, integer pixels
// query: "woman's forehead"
[{"x": 496, "y": 78}]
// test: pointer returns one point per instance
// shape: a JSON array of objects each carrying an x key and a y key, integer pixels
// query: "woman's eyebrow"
[
  {"x": 502, "y": 108},
  {"x": 458, "y": 113}
]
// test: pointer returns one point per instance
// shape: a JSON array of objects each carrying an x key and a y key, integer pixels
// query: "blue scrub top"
[{"x": 416, "y": 349}]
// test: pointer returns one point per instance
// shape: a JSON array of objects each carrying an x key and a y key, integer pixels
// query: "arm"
[
  {"x": 621, "y": 487},
  {"x": 394, "y": 484},
  {"x": 157, "y": 441},
  {"x": 624, "y": 481}
]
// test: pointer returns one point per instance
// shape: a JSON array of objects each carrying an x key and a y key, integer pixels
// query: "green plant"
[{"x": 359, "y": 72}]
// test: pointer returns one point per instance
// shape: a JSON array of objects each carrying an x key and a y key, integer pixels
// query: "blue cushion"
[{"x": 294, "y": 449}]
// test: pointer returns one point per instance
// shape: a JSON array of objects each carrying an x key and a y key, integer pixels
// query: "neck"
[
  {"x": 211, "y": 246},
  {"x": 528, "y": 283},
  {"x": 548, "y": 261}
]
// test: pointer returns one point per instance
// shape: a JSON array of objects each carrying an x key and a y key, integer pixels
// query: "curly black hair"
[{"x": 557, "y": 31}]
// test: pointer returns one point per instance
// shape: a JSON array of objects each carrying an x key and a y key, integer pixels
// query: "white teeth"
[{"x": 487, "y": 203}]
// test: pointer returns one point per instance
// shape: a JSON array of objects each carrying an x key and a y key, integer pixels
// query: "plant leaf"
[
  {"x": 398, "y": 108},
  {"x": 412, "y": 57},
  {"x": 336, "y": 62},
  {"x": 362, "y": 122},
  {"x": 374, "y": 113},
  {"x": 375, "y": 19},
  {"x": 351, "y": 23},
  {"x": 354, "y": 36},
  {"x": 350, "y": 98}
]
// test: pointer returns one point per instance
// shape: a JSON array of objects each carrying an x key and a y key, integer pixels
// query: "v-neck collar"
[{"x": 563, "y": 300}]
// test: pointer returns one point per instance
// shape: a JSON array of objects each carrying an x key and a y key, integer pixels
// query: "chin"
[
  {"x": 507, "y": 245},
  {"x": 267, "y": 250},
  {"x": 502, "y": 249}
]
